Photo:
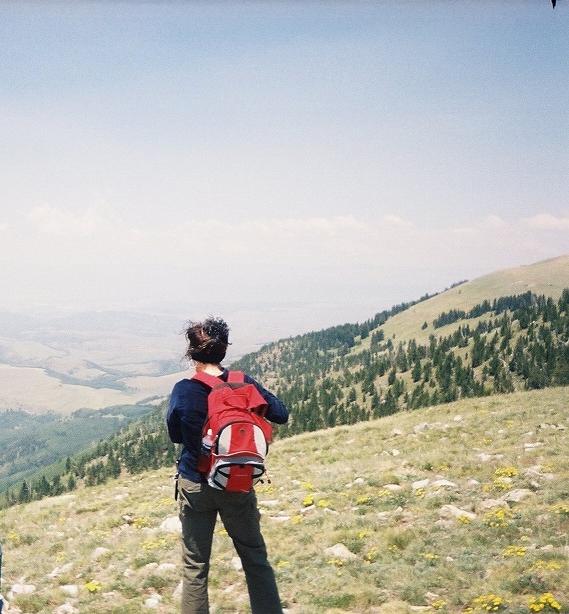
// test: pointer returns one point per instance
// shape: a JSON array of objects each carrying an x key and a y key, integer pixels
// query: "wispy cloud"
[
  {"x": 546, "y": 221},
  {"x": 57, "y": 221}
]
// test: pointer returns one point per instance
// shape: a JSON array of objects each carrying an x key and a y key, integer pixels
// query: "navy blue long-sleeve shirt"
[{"x": 187, "y": 414}]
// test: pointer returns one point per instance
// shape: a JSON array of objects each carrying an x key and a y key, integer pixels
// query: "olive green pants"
[{"x": 199, "y": 505}]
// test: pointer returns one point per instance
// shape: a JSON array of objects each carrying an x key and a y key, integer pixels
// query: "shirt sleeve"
[
  {"x": 173, "y": 416},
  {"x": 277, "y": 411}
]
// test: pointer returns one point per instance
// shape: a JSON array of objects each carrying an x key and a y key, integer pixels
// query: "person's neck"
[{"x": 209, "y": 368}]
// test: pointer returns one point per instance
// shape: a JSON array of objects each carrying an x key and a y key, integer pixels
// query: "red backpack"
[{"x": 235, "y": 434}]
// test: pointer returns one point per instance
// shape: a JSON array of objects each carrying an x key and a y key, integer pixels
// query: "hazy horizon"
[{"x": 169, "y": 157}]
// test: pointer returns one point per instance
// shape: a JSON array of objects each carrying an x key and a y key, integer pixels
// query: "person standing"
[{"x": 199, "y": 502}]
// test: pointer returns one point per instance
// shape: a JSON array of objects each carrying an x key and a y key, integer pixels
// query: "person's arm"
[
  {"x": 173, "y": 416},
  {"x": 277, "y": 411}
]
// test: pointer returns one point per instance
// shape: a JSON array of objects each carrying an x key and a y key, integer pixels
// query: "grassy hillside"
[
  {"x": 456, "y": 508},
  {"x": 502, "y": 332},
  {"x": 548, "y": 277}
]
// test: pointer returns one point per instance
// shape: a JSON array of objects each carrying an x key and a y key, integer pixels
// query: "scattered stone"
[
  {"x": 65, "y": 608},
  {"x": 532, "y": 446},
  {"x": 270, "y": 502},
  {"x": 150, "y": 566},
  {"x": 236, "y": 563},
  {"x": 120, "y": 497},
  {"x": 517, "y": 495},
  {"x": 458, "y": 418},
  {"x": 358, "y": 482},
  {"x": 172, "y": 524},
  {"x": 420, "y": 608},
  {"x": 128, "y": 518},
  {"x": 22, "y": 589},
  {"x": 70, "y": 589},
  {"x": 177, "y": 591},
  {"x": 397, "y": 433},
  {"x": 419, "y": 428},
  {"x": 58, "y": 571},
  {"x": 489, "y": 504},
  {"x": 392, "y": 487},
  {"x": 444, "y": 484},
  {"x": 306, "y": 510},
  {"x": 473, "y": 482},
  {"x": 484, "y": 457},
  {"x": 431, "y": 596},
  {"x": 383, "y": 516},
  {"x": 547, "y": 548},
  {"x": 127, "y": 573},
  {"x": 280, "y": 518},
  {"x": 420, "y": 484},
  {"x": 99, "y": 552},
  {"x": 395, "y": 452},
  {"x": 153, "y": 601},
  {"x": 340, "y": 552},
  {"x": 166, "y": 567},
  {"x": 449, "y": 559},
  {"x": 450, "y": 512}
]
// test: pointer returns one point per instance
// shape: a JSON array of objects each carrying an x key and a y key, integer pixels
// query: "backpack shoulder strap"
[
  {"x": 207, "y": 379},
  {"x": 235, "y": 377}
]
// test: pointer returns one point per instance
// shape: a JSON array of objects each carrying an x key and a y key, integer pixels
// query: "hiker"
[{"x": 199, "y": 501}]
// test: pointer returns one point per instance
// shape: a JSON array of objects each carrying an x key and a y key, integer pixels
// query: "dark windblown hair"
[{"x": 207, "y": 340}]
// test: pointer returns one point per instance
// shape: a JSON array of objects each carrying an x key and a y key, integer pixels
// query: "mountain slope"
[
  {"x": 548, "y": 278},
  {"x": 381, "y": 489}
]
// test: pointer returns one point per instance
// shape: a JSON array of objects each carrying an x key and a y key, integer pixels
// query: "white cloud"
[
  {"x": 494, "y": 221},
  {"x": 395, "y": 220},
  {"x": 546, "y": 221},
  {"x": 57, "y": 221}
]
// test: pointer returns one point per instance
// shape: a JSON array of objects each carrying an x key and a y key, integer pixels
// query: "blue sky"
[{"x": 338, "y": 152}]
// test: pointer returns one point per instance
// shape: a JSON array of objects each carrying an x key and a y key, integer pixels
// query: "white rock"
[
  {"x": 449, "y": 559},
  {"x": 484, "y": 457},
  {"x": 23, "y": 589},
  {"x": 70, "y": 589},
  {"x": 171, "y": 524},
  {"x": 236, "y": 563},
  {"x": 419, "y": 428},
  {"x": 532, "y": 446},
  {"x": 392, "y": 487},
  {"x": 178, "y": 591},
  {"x": 448, "y": 512},
  {"x": 490, "y": 504},
  {"x": 270, "y": 502},
  {"x": 444, "y": 484},
  {"x": 58, "y": 571},
  {"x": 473, "y": 482},
  {"x": 340, "y": 552},
  {"x": 150, "y": 567},
  {"x": 166, "y": 567},
  {"x": 420, "y": 484},
  {"x": 457, "y": 418},
  {"x": 395, "y": 452},
  {"x": 65, "y": 608},
  {"x": 280, "y": 518},
  {"x": 397, "y": 433},
  {"x": 153, "y": 601},
  {"x": 547, "y": 548},
  {"x": 99, "y": 552},
  {"x": 517, "y": 495},
  {"x": 127, "y": 573}
]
